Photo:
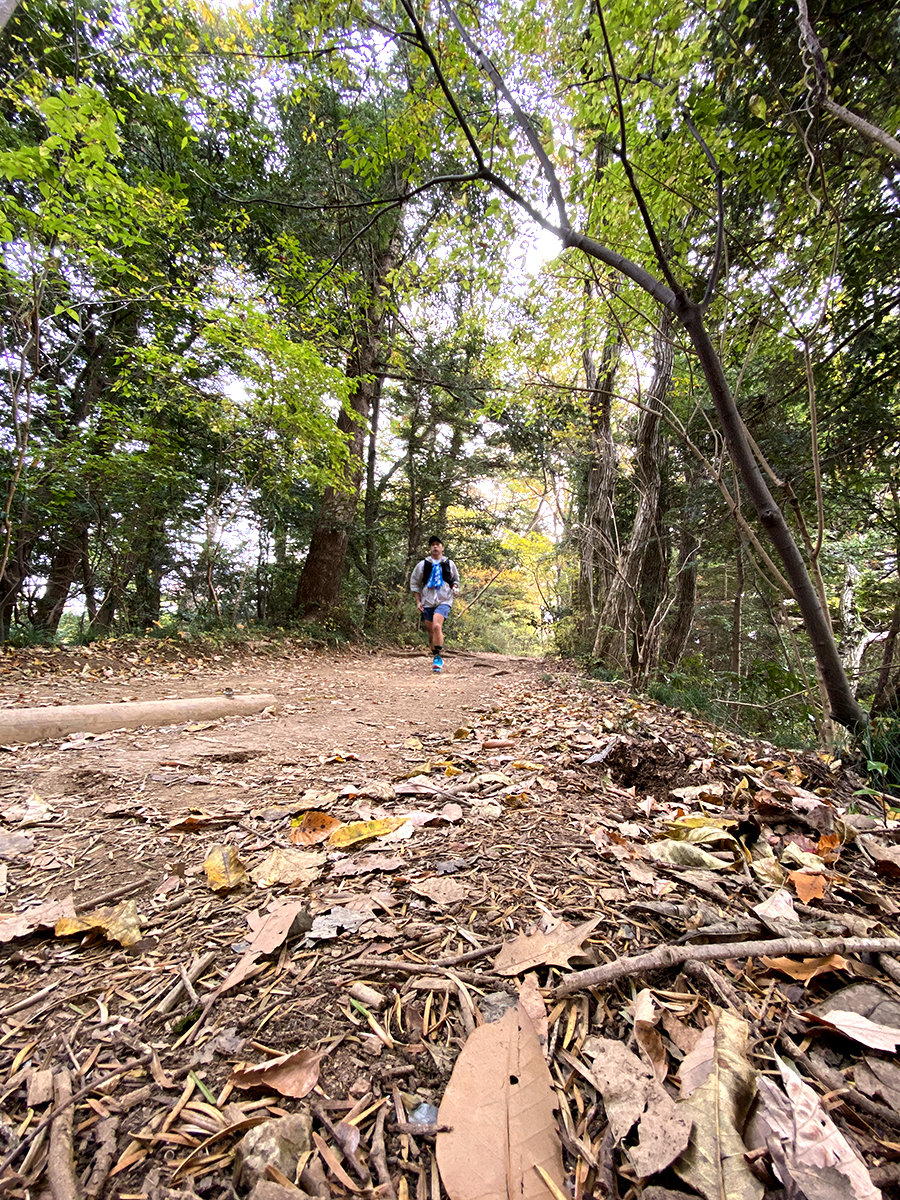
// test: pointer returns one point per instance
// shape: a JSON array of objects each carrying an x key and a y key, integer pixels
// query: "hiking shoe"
[{"x": 437, "y": 663}]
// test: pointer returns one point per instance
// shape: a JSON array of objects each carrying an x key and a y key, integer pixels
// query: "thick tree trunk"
[
  {"x": 63, "y": 572},
  {"x": 318, "y": 588},
  {"x": 617, "y": 616}
]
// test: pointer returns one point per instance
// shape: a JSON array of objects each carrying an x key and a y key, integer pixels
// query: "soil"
[{"x": 518, "y": 771}]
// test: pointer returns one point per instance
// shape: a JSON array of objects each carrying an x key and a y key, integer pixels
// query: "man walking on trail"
[{"x": 434, "y": 582}]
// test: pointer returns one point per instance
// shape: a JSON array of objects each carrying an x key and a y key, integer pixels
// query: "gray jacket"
[{"x": 432, "y": 597}]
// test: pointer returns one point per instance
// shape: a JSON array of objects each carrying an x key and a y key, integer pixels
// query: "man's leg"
[
  {"x": 437, "y": 633},
  {"x": 429, "y": 629}
]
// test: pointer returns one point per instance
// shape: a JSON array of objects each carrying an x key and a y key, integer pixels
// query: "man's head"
[{"x": 435, "y": 547}]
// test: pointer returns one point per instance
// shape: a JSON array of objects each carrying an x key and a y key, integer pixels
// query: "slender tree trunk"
[
  {"x": 884, "y": 695},
  {"x": 319, "y": 585},
  {"x": 596, "y": 526},
  {"x": 685, "y": 601},
  {"x": 737, "y": 612},
  {"x": 617, "y": 617}
]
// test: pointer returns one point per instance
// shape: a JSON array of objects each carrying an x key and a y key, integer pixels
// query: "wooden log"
[{"x": 39, "y": 724}]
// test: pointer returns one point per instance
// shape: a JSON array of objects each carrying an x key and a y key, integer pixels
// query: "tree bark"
[
  {"x": 685, "y": 601},
  {"x": 64, "y": 567},
  {"x": 318, "y": 588},
  {"x": 737, "y": 612},
  {"x": 617, "y": 616}
]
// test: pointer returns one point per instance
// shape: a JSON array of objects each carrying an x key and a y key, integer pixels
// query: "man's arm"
[
  {"x": 454, "y": 577},
  {"x": 415, "y": 584}
]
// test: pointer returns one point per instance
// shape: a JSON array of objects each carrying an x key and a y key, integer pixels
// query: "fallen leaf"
[
  {"x": 859, "y": 1028},
  {"x": 13, "y": 845},
  {"x": 363, "y": 831},
  {"x": 289, "y": 867},
  {"x": 697, "y": 1064},
  {"x": 632, "y": 1095},
  {"x": 41, "y": 916},
  {"x": 684, "y": 854},
  {"x": 777, "y": 907},
  {"x": 887, "y": 858},
  {"x": 714, "y": 1163},
  {"x": 224, "y": 869},
  {"x": 556, "y": 948},
  {"x": 880, "y": 1079},
  {"x": 269, "y": 932},
  {"x": 646, "y": 1035},
  {"x": 500, "y": 1107},
  {"x": 810, "y": 885},
  {"x": 337, "y": 920},
  {"x": 294, "y": 1074},
  {"x": 807, "y": 1147},
  {"x": 362, "y": 866},
  {"x": 119, "y": 924},
  {"x": 441, "y": 890},
  {"x": 532, "y": 1001},
  {"x": 315, "y": 826},
  {"x": 807, "y": 968}
]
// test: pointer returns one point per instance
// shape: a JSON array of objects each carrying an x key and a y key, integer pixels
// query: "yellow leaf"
[
  {"x": 224, "y": 869},
  {"x": 363, "y": 831},
  {"x": 119, "y": 924}
]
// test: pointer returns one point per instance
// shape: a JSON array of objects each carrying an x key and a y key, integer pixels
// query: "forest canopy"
[{"x": 604, "y": 295}]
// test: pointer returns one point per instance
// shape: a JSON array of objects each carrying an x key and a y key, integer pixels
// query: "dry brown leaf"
[
  {"x": 532, "y": 1001},
  {"x": 269, "y": 931},
  {"x": 294, "y": 1074},
  {"x": 224, "y": 869},
  {"x": 119, "y": 924},
  {"x": 809, "y": 885},
  {"x": 41, "y": 916},
  {"x": 714, "y": 1163},
  {"x": 315, "y": 826},
  {"x": 441, "y": 890},
  {"x": 500, "y": 1106},
  {"x": 777, "y": 907},
  {"x": 695, "y": 1067},
  {"x": 633, "y": 1096},
  {"x": 288, "y": 867},
  {"x": 806, "y": 1145},
  {"x": 646, "y": 1035},
  {"x": 807, "y": 968},
  {"x": 880, "y": 1079},
  {"x": 555, "y": 948},
  {"x": 859, "y": 1028}
]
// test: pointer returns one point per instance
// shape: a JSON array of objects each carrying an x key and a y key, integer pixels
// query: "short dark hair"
[{"x": 432, "y": 540}]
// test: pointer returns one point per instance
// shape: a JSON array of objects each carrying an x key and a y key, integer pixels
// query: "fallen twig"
[
  {"x": 61, "y": 1105},
  {"x": 378, "y": 1156},
  {"x": 837, "y": 1085},
  {"x": 673, "y": 956},
  {"x": 61, "y": 1159}
]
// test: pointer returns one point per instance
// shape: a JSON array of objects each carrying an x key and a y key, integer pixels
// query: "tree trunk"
[
  {"x": 62, "y": 574},
  {"x": 885, "y": 695},
  {"x": 617, "y": 616},
  {"x": 685, "y": 601},
  {"x": 318, "y": 588},
  {"x": 737, "y": 612}
]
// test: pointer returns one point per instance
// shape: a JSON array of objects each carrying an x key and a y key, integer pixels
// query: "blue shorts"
[{"x": 428, "y": 613}]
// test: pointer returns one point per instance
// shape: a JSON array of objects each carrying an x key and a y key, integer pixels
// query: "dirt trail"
[{"x": 524, "y": 795}]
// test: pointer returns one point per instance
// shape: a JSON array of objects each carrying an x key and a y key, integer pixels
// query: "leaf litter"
[{"x": 582, "y": 831}]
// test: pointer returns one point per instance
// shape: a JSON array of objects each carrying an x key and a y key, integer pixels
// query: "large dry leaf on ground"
[
  {"x": 532, "y": 1001},
  {"x": 119, "y": 924},
  {"x": 500, "y": 1106},
  {"x": 695, "y": 1067},
  {"x": 224, "y": 869},
  {"x": 269, "y": 931},
  {"x": 632, "y": 1095},
  {"x": 777, "y": 907},
  {"x": 363, "y": 831},
  {"x": 293, "y": 1074},
  {"x": 288, "y": 867},
  {"x": 13, "y": 845},
  {"x": 807, "y": 968},
  {"x": 441, "y": 890},
  {"x": 887, "y": 858},
  {"x": 860, "y": 1029},
  {"x": 555, "y": 948},
  {"x": 683, "y": 854},
  {"x": 41, "y": 916},
  {"x": 806, "y": 1145},
  {"x": 714, "y": 1163}
]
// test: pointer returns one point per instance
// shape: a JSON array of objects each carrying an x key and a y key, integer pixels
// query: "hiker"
[{"x": 434, "y": 582}]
